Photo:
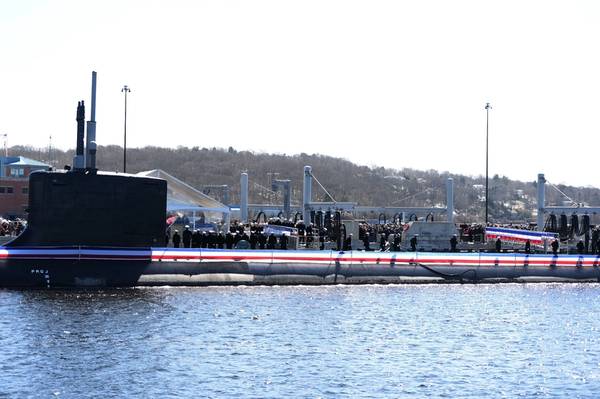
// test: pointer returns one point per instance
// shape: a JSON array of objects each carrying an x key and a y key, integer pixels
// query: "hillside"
[{"x": 370, "y": 186}]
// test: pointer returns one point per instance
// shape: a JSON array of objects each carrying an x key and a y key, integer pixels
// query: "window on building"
[
  {"x": 17, "y": 172},
  {"x": 25, "y": 190},
  {"x": 2, "y": 190},
  {"x": 6, "y": 190},
  {"x": 9, "y": 190}
]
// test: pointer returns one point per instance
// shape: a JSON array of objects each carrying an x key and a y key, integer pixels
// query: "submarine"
[
  {"x": 85, "y": 227},
  {"x": 88, "y": 228}
]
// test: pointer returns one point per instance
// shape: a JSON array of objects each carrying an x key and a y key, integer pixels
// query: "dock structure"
[
  {"x": 308, "y": 206},
  {"x": 543, "y": 209}
]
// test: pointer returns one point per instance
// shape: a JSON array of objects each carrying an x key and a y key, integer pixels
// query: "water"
[{"x": 440, "y": 341}]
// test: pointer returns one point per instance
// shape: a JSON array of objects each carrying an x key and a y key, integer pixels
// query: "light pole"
[
  {"x": 487, "y": 130},
  {"x": 125, "y": 90}
]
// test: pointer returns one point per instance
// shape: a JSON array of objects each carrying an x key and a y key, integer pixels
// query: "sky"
[{"x": 380, "y": 83}]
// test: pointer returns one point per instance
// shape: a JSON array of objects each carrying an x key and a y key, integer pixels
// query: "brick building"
[{"x": 14, "y": 184}]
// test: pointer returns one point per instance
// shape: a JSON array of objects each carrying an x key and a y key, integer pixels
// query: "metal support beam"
[
  {"x": 307, "y": 194},
  {"x": 541, "y": 199},
  {"x": 450, "y": 200},
  {"x": 244, "y": 197}
]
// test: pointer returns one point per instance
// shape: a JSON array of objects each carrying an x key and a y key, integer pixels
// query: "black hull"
[{"x": 50, "y": 273}]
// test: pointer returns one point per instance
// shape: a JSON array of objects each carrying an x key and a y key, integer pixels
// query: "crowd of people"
[
  {"x": 382, "y": 237},
  {"x": 235, "y": 238},
  {"x": 11, "y": 227},
  {"x": 388, "y": 236},
  {"x": 252, "y": 236}
]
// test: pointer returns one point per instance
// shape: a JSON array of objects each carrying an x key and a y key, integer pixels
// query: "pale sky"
[{"x": 387, "y": 83}]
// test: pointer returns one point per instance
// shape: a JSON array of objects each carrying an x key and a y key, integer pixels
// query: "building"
[{"x": 14, "y": 184}]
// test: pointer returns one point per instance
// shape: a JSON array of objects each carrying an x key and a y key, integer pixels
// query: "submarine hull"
[
  {"x": 101, "y": 267},
  {"x": 251, "y": 267},
  {"x": 72, "y": 267},
  {"x": 61, "y": 273}
]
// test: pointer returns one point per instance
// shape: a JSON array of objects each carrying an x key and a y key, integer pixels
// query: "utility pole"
[
  {"x": 125, "y": 90},
  {"x": 487, "y": 130}
]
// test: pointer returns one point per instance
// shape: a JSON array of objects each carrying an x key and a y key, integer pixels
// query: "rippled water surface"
[{"x": 338, "y": 341}]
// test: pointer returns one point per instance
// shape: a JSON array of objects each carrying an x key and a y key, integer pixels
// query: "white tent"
[{"x": 181, "y": 197}]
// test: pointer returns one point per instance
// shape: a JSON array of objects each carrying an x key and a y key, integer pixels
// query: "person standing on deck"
[
  {"x": 397, "y": 242},
  {"x": 220, "y": 240},
  {"x": 187, "y": 237},
  {"x": 283, "y": 240},
  {"x": 272, "y": 241},
  {"x": 554, "y": 246},
  {"x": 176, "y": 239},
  {"x": 229, "y": 240},
  {"x": 580, "y": 247},
  {"x": 366, "y": 241},
  {"x": 322, "y": 233},
  {"x": 413, "y": 243},
  {"x": 196, "y": 237},
  {"x": 347, "y": 245},
  {"x": 262, "y": 240},
  {"x": 453, "y": 243}
]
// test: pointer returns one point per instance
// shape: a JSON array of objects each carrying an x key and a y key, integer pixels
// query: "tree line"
[{"x": 510, "y": 200}]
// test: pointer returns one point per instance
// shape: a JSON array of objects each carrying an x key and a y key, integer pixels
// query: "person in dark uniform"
[
  {"x": 220, "y": 240},
  {"x": 167, "y": 238},
  {"x": 196, "y": 237},
  {"x": 187, "y": 237},
  {"x": 176, "y": 239},
  {"x": 382, "y": 242},
  {"x": 301, "y": 233},
  {"x": 397, "y": 242},
  {"x": 527, "y": 246},
  {"x": 283, "y": 240},
  {"x": 272, "y": 241},
  {"x": 413, "y": 243},
  {"x": 453, "y": 243},
  {"x": 498, "y": 245},
  {"x": 245, "y": 237},
  {"x": 347, "y": 246},
  {"x": 309, "y": 235},
  {"x": 554, "y": 246},
  {"x": 262, "y": 240},
  {"x": 212, "y": 240},
  {"x": 229, "y": 240},
  {"x": 580, "y": 247},
  {"x": 366, "y": 243},
  {"x": 322, "y": 233}
]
